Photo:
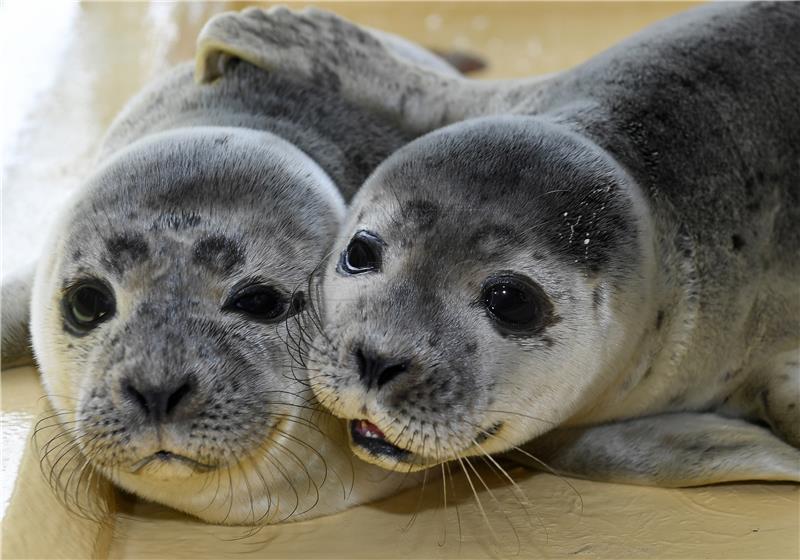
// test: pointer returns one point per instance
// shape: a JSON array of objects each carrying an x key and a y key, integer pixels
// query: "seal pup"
[
  {"x": 159, "y": 308},
  {"x": 610, "y": 263}
]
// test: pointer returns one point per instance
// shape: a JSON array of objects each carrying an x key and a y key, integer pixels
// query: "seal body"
[
  {"x": 611, "y": 266},
  {"x": 163, "y": 309}
]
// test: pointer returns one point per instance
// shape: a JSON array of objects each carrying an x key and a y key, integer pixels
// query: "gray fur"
[
  {"x": 14, "y": 304},
  {"x": 652, "y": 193},
  {"x": 201, "y": 190},
  {"x": 672, "y": 450}
]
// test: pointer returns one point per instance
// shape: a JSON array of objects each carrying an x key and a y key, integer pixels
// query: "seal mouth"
[
  {"x": 163, "y": 456},
  {"x": 370, "y": 438}
]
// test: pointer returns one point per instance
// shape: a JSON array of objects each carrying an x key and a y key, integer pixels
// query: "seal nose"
[
  {"x": 157, "y": 403},
  {"x": 374, "y": 370}
]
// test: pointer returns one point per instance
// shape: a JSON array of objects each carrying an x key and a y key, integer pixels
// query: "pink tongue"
[{"x": 365, "y": 426}]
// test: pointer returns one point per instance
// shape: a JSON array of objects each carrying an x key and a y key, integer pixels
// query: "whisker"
[{"x": 538, "y": 461}]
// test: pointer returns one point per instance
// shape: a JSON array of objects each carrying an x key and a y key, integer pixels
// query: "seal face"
[
  {"x": 157, "y": 322},
  {"x": 462, "y": 296},
  {"x": 163, "y": 313},
  {"x": 653, "y": 345}
]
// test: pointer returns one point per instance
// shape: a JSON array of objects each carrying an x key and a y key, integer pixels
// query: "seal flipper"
[
  {"x": 15, "y": 320},
  {"x": 372, "y": 69},
  {"x": 780, "y": 399},
  {"x": 771, "y": 394},
  {"x": 670, "y": 450}
]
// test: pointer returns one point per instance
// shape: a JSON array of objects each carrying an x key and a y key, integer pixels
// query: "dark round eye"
[
  {"x": 260, "y": 302},
  {"x": 363, "y": 254},
  {"x": 87, "y": 304},
  {"x": 516, "y": 304}
]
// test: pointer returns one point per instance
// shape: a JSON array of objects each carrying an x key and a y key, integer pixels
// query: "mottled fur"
[
  {"x": 652, "y": 192},
  {"x": 199, "y": 190}
]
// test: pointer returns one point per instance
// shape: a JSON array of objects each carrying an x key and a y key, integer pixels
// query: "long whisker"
[
  {"x": 520, "y": 495},
  {"x": 498, "y": 502},
  {"x": 478, "y": 500},
  {"x": 547, "y": 467}
]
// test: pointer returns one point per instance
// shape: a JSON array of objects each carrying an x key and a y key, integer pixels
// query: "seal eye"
[
  {"x": 263, "y": 303},
  {"x": 515, "y": 304},
  {"x": 87, "y": 304},
  {"x": 363, "y": 254}
]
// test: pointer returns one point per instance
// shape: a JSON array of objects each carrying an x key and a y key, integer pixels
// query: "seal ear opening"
[{"x": 15, "y": 328}]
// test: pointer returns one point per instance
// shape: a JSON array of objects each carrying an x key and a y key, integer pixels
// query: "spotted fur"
[
  {"x": 652, "y": 193},
  {"x": 201, "y": 189}
]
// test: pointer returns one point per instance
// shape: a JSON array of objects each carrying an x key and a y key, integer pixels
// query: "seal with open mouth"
[{"x": 609, "y": 262}]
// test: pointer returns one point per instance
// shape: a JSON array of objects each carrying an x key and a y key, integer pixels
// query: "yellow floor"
[{"x": 70, "y": 70}]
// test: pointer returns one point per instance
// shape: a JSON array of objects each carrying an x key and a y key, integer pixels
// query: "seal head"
[
  {"x": 157, "y": 312},
  {"x": 460, "y": 295}
]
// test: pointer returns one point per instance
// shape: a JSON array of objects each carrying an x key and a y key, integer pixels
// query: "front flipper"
[
  {"x": 371, "y": 69},
  {"x": 670, "y": 450},
  {"x": 771, "y": 394},
  {"x": 15, "y": 320}
]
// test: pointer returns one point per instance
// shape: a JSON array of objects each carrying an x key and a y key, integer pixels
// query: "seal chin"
[{"x": 166, "y": 465}]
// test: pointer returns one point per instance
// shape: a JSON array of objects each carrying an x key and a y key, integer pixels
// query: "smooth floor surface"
[{"x": 70, "y": 67}]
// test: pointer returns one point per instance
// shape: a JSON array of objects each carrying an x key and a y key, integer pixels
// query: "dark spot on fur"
[
  {"x": 124, "y": 251},
  {"x": 470, "y": 348},
  {"x": 423, "y": 214},
  {"x": 659, "y": 319},
  {"x": 737, "y": 242},
  {"x": 76, "y": 255},
  {"x": 218, "y": 253},
  {"x": 597, "y": 297},
  {"x": 486, "y": 434}
]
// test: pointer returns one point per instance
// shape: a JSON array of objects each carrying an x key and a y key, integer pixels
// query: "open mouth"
[
  {"x": 167, "y": 457},
  {"x": 369, "y": 437}
]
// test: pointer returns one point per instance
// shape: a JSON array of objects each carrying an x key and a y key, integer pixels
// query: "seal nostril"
[
  {"x": 391, "y": 372},
  {"x": 376, "y": 370},
  {"x": 158, "y": 402},
  {"x": 177, "y": 396},
  {"x": 362, "y": 364},
  {"x": 130, "y": 391}
]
